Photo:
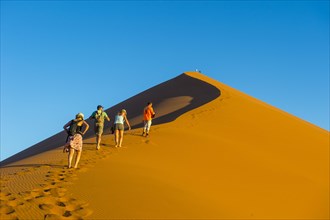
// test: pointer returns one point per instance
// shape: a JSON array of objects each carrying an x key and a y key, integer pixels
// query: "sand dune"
[
  {"x": 174, "y": 97},
  {"x": 213, "y": 153}
]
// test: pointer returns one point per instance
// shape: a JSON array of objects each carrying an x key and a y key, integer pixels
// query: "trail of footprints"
[
  {"x": 52, "y": 197},
  {"x": 7, "y": 204},
  {"x": 50, "y": 200}
]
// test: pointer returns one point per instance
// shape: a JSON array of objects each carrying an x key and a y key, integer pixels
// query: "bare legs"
[
  {"x": 98, "y": 133},
  {"x": 77, "y": 159},
  {"x": 117, "y": 138},
  {"x": 70, "y": 157},
  {"x": 119, "y": 135},
  {"x": 98, "y": 141}
]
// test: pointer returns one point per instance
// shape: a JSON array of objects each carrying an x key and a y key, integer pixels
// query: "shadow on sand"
[{"x": 183, "y": 85}]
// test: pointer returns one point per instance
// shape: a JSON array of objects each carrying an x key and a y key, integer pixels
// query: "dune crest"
[
  {"x": 213, "y": 153},
  {"x": 172, "y": 96}
]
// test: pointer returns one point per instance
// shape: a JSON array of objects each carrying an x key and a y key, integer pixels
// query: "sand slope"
[
  {"x": 173, "y": 98},
  {"x": 216, "y": 153}
]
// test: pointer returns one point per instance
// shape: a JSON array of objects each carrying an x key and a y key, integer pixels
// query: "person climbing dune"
[
  {"x": 148, "y": 115},
  {"x": 120, "y": 118},
  {"x": 75, "y": 138},
  {"x": 99, "y": 117}
]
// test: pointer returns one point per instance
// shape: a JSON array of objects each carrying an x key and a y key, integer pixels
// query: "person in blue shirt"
[{"x": 120, "y": 118}]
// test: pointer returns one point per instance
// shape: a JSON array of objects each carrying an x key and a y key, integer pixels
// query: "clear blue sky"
[{"x": 63, "y": 57}]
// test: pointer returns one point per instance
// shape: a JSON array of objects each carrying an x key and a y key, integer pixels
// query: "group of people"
[{"x": 77, "y": 127}]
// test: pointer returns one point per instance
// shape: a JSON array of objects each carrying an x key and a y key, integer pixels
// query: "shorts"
[
  {"x": 119, "y": 127},
  {"x": 98, "y": 129}
]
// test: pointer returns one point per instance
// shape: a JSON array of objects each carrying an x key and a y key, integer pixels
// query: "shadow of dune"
[{"x": 170, "y": 99}]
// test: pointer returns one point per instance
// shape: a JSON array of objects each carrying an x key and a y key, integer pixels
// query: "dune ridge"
[
  {"x": 166, "y": 93},
  {"x": 230, "y": 157}
]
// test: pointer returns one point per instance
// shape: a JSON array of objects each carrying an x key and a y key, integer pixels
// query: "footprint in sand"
[
  {"x": 49, "y": 198},
  {"x": 15, "y": 203},
  {"x": 45, "y": 207},
  {"x": 47, "y": 190},
  {"x": 3, "y": 194},
  {"x": 65, "y": 208},
  {"x": 7, "y": 199},
  {"x": 57, "y": 178},
  {"x": 57, "y": 192},
  {"x": 36, "y": 193},
  {"x": 5, "y": 209},
  {"x": 51, "y": 217}
]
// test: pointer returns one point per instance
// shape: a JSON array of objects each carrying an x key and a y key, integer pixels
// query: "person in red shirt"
[{"x": 148, "y": 115}]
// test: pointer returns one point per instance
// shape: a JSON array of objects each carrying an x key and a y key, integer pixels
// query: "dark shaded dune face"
[{"x": 170, "y": 100}]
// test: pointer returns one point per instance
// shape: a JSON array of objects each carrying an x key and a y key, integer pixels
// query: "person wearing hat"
[
  {"x": 120, "y": 118},
  {"x": 74, "y": 141},
  {"x": 99, "y": 115}
]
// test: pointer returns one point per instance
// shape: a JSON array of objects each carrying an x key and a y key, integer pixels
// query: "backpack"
[
  {"x": 74, "y": 129},
  {"x": 98, "y": 117}
]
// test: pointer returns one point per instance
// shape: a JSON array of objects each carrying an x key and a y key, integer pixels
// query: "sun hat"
[{"x": 80, "y": 115}]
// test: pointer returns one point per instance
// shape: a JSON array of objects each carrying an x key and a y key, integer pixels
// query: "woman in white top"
[{"x": 119, "y": 127}]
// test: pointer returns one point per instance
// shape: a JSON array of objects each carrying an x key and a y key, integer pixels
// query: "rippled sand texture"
[{"x": 213, "y": 153}]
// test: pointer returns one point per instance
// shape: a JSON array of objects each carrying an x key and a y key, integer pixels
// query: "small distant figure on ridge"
[
  {"x": 74, "y": 141},
  {"x": 99, "y": 117},
  {"x": 148, "y": 115},
  {"x": 120, "y": 118}
]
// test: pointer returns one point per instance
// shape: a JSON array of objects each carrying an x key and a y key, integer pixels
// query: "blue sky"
[{"x": 63, "y": 57}]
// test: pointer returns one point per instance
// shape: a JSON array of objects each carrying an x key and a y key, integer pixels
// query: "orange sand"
[{"x": 234, "y": 157}]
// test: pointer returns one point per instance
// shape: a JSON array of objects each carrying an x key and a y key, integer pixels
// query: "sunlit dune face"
[{"x": 213, "y": 153}]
